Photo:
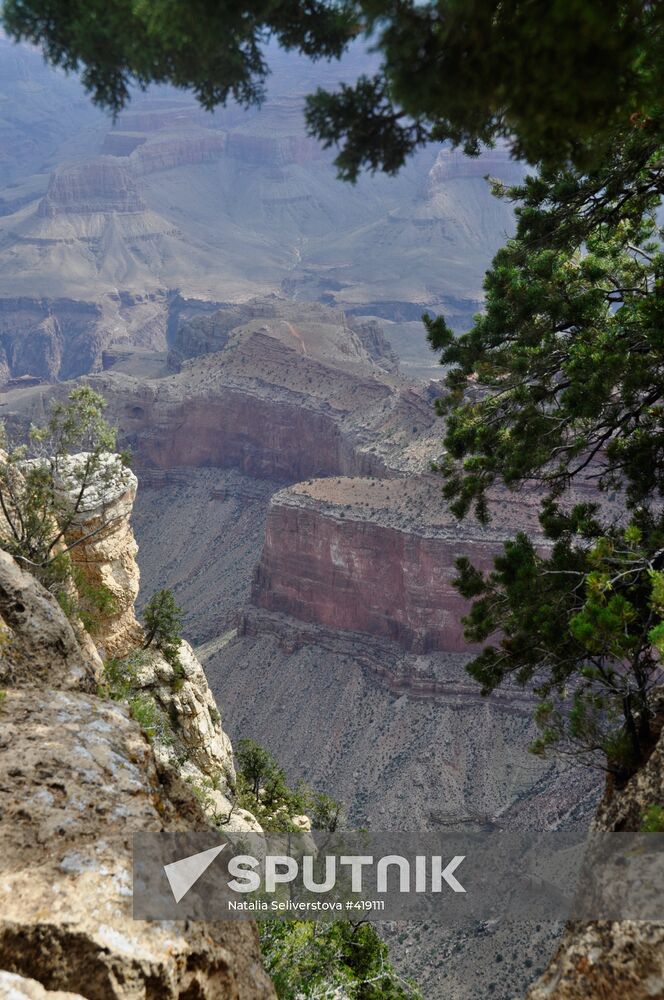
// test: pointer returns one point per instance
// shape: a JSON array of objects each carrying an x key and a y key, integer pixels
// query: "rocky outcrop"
[
  {"x": 277, "y": 397},
  {"x": 375, "y": 342},
  {"x": 48, "y": 337},
  {"x": 17, "y": 987},
  {"x": 272, "y": 150},
  {"x": 79, "y": 777},
  {"x": 605, "y": 960},
  {"x": 614, "y": 958},
  {"x": 38, "y": 646},
  {"x": 375, "y": 556},
  {"x": 103, "y": 548},
  {"x": 62, "y": 338},
  {"x": 179, "y": 151},
  {"x": 191, "y": 740}
]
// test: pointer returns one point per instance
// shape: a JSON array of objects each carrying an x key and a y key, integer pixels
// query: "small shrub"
[
  {"x": 121, "y": 676},
  {"x": 150, "y": 718},
  {"x": 652, "y": 820},
  {"x": 163, "y": 625},
  {"x": 179, "y": 676}
]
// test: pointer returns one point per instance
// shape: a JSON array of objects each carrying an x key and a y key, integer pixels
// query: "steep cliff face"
[
  {"x": 373, "y": 556},
  {"x": 278, "y": 398},
  {"x": 78, "y": 779},
  {"x": 56, "y": 338},
  {"x": 104, "y": 550},
  {"x": 48, "y": 337},
  {"x": 179, "y": 150},
  {"x": 102, "y": 185}
]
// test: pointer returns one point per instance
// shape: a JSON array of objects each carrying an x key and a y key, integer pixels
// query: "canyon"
[
  {"x": 255, "y": 329},
  {"x": 286, "y": 498},
  {"x": 107, "y": 228}
]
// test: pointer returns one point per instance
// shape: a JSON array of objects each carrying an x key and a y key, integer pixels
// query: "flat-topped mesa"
[
  {"x": 375, "y": 556},
  {"x": 101, "y": 185},
  {"x": 200, "y": 146}
]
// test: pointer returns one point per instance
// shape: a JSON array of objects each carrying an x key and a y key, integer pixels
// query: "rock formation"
[
  {"x": 288, "y": 392},
  {"x": 104, "y": 549},
  {"x": 38, "y": 645},
  {"x": 375, "y": 556},
  {"x": 215, "y": 207},
  {"x": 614, "y": 958},
  {"x": 102, "y": 185},
  {"x": 79, "y": 778}
]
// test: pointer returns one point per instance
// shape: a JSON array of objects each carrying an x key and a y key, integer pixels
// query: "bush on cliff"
[
  {"x": 340, "y": 958},
  {"x": 44, "y": 489},
  {"x": 163, "y": 627}
]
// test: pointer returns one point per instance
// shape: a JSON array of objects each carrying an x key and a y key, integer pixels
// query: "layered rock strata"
[
  {"x": 375, "y": 556},
  {"x": 103, "y": 548}
]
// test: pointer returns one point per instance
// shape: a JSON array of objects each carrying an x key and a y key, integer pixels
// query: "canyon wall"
[
  {"x": 101, "y": 185},
  {"x": 48, "y": 338},
  {"x": 375, "y": 556},
  {"x": 269, "y": 439}
]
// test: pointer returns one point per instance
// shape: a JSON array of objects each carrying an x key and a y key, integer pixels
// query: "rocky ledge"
[{"x": 80, "y": 776}]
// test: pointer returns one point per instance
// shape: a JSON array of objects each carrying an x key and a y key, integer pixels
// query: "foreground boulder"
[{"x": 78, "y": 778}]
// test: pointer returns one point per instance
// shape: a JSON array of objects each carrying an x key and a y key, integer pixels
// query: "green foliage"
[
  {"x": 163, "y": 626},
  {"x": 653, "y": 820},
  {"x": 43, "y": 490},
  {"x": 575, "y": 623},
  {"x": 150, "y": 718},
  {"x": 121, "y": 676},
  {"x": 307, "y": 959},
  {"x": 553, "y": 79},
  {"x": 326, "y": 813},
  {"x": 216, "y": 50},
  {"x": 263, "y": 790},
  {"x": 89, "y": 603},
  {"x": 567, "y": 388}
]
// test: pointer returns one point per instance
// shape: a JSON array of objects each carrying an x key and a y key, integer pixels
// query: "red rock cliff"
[{"x": 374, "y": 556}]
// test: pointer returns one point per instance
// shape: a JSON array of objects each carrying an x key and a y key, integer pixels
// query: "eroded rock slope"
[{"x": 78, "y": 778}]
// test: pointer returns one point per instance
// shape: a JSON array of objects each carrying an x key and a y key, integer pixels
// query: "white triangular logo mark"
[{"x": 182, "y": 874}]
